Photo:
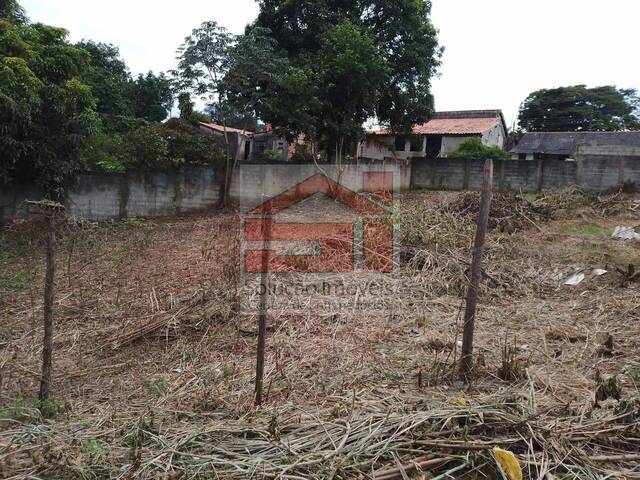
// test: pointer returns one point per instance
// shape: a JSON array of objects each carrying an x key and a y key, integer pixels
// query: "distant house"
[
  {"x": 252, "y": 145},
  {"x": 440, "y": 136},
  {"x": 566, "y": 145},
  {"x": 238, "y": 139}
]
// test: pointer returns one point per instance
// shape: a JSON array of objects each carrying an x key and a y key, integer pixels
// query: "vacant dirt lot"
[{"x": 154, "y": 367}]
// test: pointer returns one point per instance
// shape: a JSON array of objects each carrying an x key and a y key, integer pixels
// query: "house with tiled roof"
[
  {"x": 436, "y": 138},
  {"x": 247, "y": 146}
]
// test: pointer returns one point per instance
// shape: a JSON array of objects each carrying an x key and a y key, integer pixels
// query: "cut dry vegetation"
[{"x": 154, "y": 366}]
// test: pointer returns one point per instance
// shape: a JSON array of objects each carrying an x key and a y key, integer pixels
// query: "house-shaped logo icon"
[{"x": 337, "y": 240}]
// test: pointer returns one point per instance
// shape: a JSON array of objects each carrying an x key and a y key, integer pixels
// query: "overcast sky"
[{"x": 497, "y": 51}]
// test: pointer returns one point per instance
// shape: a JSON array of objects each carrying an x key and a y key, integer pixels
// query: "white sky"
[{"x": 497, "y": 51}]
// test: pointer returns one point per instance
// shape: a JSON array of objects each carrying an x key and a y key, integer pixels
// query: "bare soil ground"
[{"x": 154, "y": 368}]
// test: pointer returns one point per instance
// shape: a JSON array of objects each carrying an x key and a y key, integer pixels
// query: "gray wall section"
[
  {"x": 101, "y": 196},
  {"x": 12, "y": 200},
  {"x": 597, "y": 173}
]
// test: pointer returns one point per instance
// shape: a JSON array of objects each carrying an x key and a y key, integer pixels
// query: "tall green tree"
[
  {"x": 203, "y": 61},
  {"x": 151, "y": 97},
  {"x": 12, "y": 11},
  {"x": 578, "y": 108},
  {"x": 47, "y": 114},
  {"x": 398, "y": 37},
  {"x": 252, "y": 66},
  {"x": 109, "y": 78},
  {"x": 351, "y": 72},
  {"x": 185, "y": 105},
  {"x": 234, "y": 117},
  {"x": 117, "y": 93}
]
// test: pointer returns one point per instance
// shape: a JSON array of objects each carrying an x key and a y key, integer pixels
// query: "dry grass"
[{"x": 349, "y": 394}]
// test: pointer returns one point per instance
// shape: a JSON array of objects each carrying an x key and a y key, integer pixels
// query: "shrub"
[
  {"x": 476, "y": 150},
  {"x": 271, "y": 155},
  {"x": 146, "y": 148},
  {"x": 153, "y": 146},
  {"x": 196, "y": 117},
  {"x": 188, "y": 145}
]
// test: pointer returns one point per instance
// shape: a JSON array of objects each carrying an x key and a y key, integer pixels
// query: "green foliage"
[
  {"x": 252, "y": 66},
  {"x": 148, "y": 96},
  {"x": 234, "y": 72},
  {"x": 196, "y": 117},
  {"x": 185, "y": 105},
  {"x": 294, "y": 102},
  {"x": 579, "y": 108},
  {"x": 271, "y": 155},
  {"x": 189, "y": 145},
  {"x": 187, "y": 112},
  {"x": 26, "y": 409},
  {"x": 147, "y": 148},
  {"x": 473, "y": 148},
  {"x": 351, "y": 73},
  {"x": 153, "y": 146},
  {"x": 302, "y": 154},
  {"x": 152, "y": 97},
  {"x": 64, "y": 107},
  {"x": 12, "y": 11},
  {"x": 203, "y": 60},
  {"x": 232, "y": 117},
  {"x": 333, "y": 46},
  {"x": 46, "y": 113},
  {"x": 109, "y": 78}
]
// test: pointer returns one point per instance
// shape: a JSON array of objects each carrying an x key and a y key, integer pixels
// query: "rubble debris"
[
  {"x": 574, "y": 280},
  {"x": 625, "y": 233}
]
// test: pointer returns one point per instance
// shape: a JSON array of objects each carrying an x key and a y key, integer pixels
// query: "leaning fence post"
[
  {"x": 466, "y": 361},
  {"x": 264, "y": 306}
]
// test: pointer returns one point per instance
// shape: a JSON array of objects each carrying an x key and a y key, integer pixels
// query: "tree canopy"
[
  {"x": 116, "y": 92},
  {"x": 378, "y": 54},
  {"x": 12, "y": 11},
  {"x": 47, "y": 113},
  {"x": 579, "y": 108},
  {"x": 68, "y": 107}
]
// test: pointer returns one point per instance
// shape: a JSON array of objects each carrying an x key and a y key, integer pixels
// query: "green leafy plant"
[
  {"x": 474, "y": 149},
  {"x": 271, "y": 155}
]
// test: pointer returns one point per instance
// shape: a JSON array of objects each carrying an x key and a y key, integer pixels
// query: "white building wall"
[
  {"x": 379, "y": 147},
  {"x": 449, "y": 144},
  {"x": 496, "y": 137}
]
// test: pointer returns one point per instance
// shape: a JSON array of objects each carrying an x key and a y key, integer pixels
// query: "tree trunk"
[
  {"x": 466, "y": 361},
  {"x": 47, "y": 342}
]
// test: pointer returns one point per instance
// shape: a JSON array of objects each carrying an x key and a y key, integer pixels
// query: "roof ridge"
[{"x": 468, "y": 114}]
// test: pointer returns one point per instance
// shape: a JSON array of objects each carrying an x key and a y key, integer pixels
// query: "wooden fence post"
[
  {"x": 466, "y": 361},
  {"x": 47, "y": 341},
  {"x": 264, "y": 307},
  {"x": 50, "y": 212}
]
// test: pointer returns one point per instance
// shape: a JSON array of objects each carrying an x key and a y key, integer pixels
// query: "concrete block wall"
[
  {"x": 12, "y": 199},
  {"x": 254, "y": 184},
  {"x": 592, "y": 172},
  {"x": 100, "y": 196}
]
